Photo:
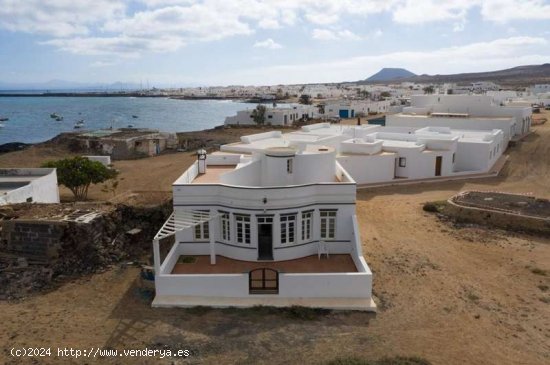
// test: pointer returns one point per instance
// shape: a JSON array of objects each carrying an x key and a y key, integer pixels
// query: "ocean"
[{"x": 30, "y": 122}]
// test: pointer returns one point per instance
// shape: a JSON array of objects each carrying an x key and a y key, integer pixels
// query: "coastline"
[{"x": 140, "y": 95}]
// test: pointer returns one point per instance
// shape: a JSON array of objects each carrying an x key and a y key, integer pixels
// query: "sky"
[{"x": 175, "y": 43}]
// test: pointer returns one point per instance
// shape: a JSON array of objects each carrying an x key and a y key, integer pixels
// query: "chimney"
[{"x": 201, "y": 159}]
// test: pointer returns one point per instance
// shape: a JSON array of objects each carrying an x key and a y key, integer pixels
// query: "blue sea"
[{"x": 30, "y": 122}]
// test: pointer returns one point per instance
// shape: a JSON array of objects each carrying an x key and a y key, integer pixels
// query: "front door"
[
  {"x": 438, "y": 162},
  {"x": 265, "y": 238}
]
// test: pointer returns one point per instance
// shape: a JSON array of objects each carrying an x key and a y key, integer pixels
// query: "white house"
[
  {"x": 354, "y": 108},
  {"x": 374, "y": 154},
  {"x": 28, "y": 185},
  {"x": 281, "y": 116},
  {"x": 274, "y": 227},
  {"x": 472, "y": 112}
]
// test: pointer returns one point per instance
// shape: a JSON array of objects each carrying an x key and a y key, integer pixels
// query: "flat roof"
[{"x": 213, "y": 174}]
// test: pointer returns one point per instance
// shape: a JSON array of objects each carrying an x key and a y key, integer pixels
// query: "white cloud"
[
  {"x": 122, "y": 45},
  {"x": 164, "y": 25},
  {"x": 59, "y": 18},
  {"x": 102, "y": 63},
  {"x": 332, "y": 35},
  {"x": 268, "y": 43}
]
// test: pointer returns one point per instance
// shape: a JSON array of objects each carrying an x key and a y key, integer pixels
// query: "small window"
[
  {"x": 288, "y": 228},
  {"x": 328, "y": 224},
  {"x": 270, "y": 117},
  {"x": 307, "y": 219},
  {"x": 29, "y": 200},
  {"x": 225, "y": 225},
  {"x": 402, "y": 162},
  {"x": 454, "y": 156},
  {"x": 289, "y": 166},
  {"x": 202, "y": 230},
  {"x": 243, "y": 228}
]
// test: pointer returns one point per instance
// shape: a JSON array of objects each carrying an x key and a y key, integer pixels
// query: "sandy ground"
[{"x": 450, "y": 295}]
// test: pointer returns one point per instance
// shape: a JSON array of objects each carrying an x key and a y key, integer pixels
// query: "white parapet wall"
[
  {"x": 28, "y": 185},
  {"x": 105, "y": 160}
]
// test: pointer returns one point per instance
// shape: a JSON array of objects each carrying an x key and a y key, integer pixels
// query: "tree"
[
  {"x": 258, "y": 114},
  {"x": 429, "y": 89},
  {"x": 78, "y": 173},
  {"x": 304, "y": 99},
  {"x": 385, "y": 94}
]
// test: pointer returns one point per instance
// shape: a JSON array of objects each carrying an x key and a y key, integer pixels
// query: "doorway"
[
  {"x": 438, "y": 163},
  {"x": 265, "y": 238}
]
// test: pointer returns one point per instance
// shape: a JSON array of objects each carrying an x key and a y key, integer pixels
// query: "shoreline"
[{"x": 139, "y": 95}]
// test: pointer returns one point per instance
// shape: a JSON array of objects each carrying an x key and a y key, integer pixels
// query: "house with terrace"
[
  {"x": 373, "y": 154},
  {"x": 276, "y": 227}
]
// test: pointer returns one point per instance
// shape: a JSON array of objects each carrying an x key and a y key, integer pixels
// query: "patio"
[{"x": 224, "y": 265}]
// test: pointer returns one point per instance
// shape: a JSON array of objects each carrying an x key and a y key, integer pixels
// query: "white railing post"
[
  {"x": 156, "y": 256},
  {"x": 213, "y": 233}
]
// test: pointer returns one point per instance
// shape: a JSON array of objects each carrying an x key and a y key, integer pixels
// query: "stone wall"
[
  {"x": 32, "y": 239},
  {"x": 499, "y": 219}
]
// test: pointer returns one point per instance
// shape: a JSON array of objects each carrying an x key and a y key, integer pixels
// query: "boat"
[
  {"x": 134, "y": 116},
  {"x": 130, "y": 126},
  {"x": 54, "y": 115},
  {"x": 4, "y": 119},
  {"x": 59, "y": 118},
  {"x": 79, "y": 124}
]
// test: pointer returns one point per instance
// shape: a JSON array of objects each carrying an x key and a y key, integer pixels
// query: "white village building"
[
  {"x": 374, "y": 154},
  {"x": 281, "y": 116},
  {"x": 275, "y": 227},
  {"x": 354, "y": 108},
  {"x": 471, "y": 112},
  {"x": 28, "y": 185}
]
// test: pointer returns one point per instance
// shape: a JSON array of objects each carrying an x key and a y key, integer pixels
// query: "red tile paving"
[{"x": 309, "y": 264}]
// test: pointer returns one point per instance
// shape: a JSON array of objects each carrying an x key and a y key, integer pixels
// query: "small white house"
[
  {"x": 28, "y": 185},
  {"x": 274, "y": 116},
  {"x": 276, "y": 227}
]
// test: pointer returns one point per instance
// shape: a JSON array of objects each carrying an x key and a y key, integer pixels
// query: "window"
[
  {"x": 226, "y": 227},
  {"x": 288, "y": 228},
  {"x": 402, "y": 161},
  {"x": 307, "y": 219},
  {"x": 328, "y": 224},
  {"x": 201, "y": 230},
  {"x": 454, "y": 156},
  {"x": 243, "y": 228},
  {"x": 289, "y": 166},
  {"x": 270, "y": 116}
]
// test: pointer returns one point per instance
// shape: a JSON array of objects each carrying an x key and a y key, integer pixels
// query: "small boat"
[
  {"x": 59, "y": 118},
  {"x": 130, "y": 126},
  {"x": 54, "y": 115},
  {"x": 79, "y": 124},
  {"x": 134, "y": 116},
  {"x": 4, "y": 119}
]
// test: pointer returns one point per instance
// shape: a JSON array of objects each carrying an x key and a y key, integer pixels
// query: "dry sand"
[{"x": 450, "y": 295}]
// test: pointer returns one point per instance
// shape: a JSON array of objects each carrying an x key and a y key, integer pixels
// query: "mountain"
[
  {"x": 516, "y": 76},
  {"x": 388, "y": 74}
]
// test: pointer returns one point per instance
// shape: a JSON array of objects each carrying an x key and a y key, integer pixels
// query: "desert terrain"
[{"x": 448, "y": 294}]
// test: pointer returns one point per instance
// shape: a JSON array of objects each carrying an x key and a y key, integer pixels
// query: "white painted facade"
[
  {"x": 274, "y": 116},
  {"x": 307, "y": 202},
  {"x": 28, "y": 185},
  {"x": 474, "y": 112},
  {"x": 374, "y": 154},
  {"x": 354, "y": 108}
]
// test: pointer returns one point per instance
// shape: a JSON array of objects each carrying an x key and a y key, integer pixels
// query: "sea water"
[{"x": 30, "y": 121}]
